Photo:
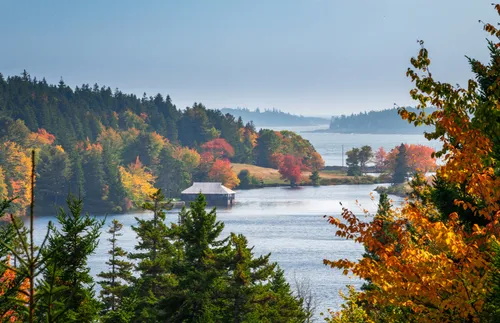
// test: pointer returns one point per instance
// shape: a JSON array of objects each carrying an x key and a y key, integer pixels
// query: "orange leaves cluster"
[
  {"x": 6, "y": 283},
  {"x": 16, "y": 164},
  {"x": 436, "y": 270},
  {"x": 40, "y": 138},
  {"x": 420, "y": 158},
  {"x": 435, "y": 266},
  {"x": 222, "y": 171}
]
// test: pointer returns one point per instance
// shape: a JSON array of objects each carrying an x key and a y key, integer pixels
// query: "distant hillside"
[
  {"x": 385, "y": 121},
  {"x": 274, "y": 117}
]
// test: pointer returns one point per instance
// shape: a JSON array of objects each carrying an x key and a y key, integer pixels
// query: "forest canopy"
[{"x": 114, "y": 149}]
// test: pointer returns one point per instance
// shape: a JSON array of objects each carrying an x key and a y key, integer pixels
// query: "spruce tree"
[
  {"x": 155, "y": 254},
  {"x": 114, "y": 286},
  {"x": 199, "y": 266},
  {"x": 68, "y": 251},
  {"x": 245, "y": 285},
  {"x": 282, "y": 305}
]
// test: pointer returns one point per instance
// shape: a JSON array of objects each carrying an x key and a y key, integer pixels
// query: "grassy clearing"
[{"x": 271, "y": 176}]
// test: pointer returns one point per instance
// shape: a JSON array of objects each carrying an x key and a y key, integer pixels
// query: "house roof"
[{"x": 207, "y": 188}]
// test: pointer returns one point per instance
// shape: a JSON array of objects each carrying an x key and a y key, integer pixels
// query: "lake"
[
  {"x": 286, "y": 222},
  {"x": 329, "y": 145}
]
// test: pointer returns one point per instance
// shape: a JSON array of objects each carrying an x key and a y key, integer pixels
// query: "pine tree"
[
  {"x": 114, "y": 286},
  {"x": 68, "y": 251}
]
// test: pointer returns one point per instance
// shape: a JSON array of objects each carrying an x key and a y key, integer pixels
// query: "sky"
[{"x": 310, "y": 57}]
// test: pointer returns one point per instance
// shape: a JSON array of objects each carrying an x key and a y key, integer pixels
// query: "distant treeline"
[
  {"x": 385, "y": 121},
  {"x": 274, "y": 117}
]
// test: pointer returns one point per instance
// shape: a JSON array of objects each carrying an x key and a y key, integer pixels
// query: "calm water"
[
  {"x": 287, "y": 222},
  {"x": 329, "y": 145}
]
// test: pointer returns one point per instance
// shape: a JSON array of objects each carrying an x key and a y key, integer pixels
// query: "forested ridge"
[
  {"x": 274, "y": 117},
  {"x": 113, "y": 149},
  {"x": 384, "y": 121}
]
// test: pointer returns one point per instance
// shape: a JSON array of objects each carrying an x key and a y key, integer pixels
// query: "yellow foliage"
[{"x": 137, "y": 181}]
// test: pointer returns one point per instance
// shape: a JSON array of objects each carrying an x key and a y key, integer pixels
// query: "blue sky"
[{"x": 313, "y": 57}]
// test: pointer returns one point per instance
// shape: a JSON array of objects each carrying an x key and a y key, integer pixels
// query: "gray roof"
[{"x": 207, "y": 188}]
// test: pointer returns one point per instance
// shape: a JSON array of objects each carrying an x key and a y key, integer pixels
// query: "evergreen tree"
[
  {"x": 282, "y": 306},
  {"x": 155, "y": 256},
  {"x": 199, "y": 266},
  {"x": 315, "y": 178},
  {"x": 68, "y": 251},
  {"x": 114, "y": 286},
  {"x": 245, "y": 286},
  {"x": 401, "y": 168}
]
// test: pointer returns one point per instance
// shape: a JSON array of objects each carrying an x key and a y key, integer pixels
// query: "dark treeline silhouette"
[
  {"x": 274, "y": 117},
  {"x": 385, "y": 121}
]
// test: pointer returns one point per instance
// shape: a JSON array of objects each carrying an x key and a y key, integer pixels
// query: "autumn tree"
[
  {"x": 219, "y": 147},
  {"x": 381, "y": 159},
  {"x": 290, "y": 169},
  {"x": 438, "y": 266},
  {"x": 221, "y": 171},
  {"x": 137, "y": 181}
]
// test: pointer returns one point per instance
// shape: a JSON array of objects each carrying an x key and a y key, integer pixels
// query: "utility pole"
[{"x": 342, "y": 156}]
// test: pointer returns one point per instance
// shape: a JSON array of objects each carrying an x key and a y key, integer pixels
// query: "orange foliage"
[
  {"x": 6, "y": 282},
  {"x": 219, "y": 147},
  {"x": 317, "y": 163},
  {"x": 17, "y": 168},
  {"x": 433, "y": 266},
  {"x": 41, "y": 137},
  {"x": 419, "y": 157},
  {"x": 381, "y": 159},
  {"x": 221, "y": 171}
]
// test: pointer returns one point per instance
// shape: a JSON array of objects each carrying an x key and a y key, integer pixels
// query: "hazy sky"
[{"x": 303, "y": 56}]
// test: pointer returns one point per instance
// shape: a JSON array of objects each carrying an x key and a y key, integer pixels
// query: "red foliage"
[
  {"x": 219, "y": 147},
  {"x": 290, "y": 169},
  {"x": 419, "y": 158},
  {"x": 381, "y": 159}
]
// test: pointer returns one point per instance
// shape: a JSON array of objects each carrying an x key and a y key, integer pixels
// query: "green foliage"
[
  {"x": 67, "y": 252},
  {"x": 115, "y": 284},
  {"x": 198, "y": 265},
  {"x": 155, "y": 255},
  {"x": 352, "y": 161},
  {"x": 315, "y": 178},
  {"x": 247, "y": 180},
  {"x": 173, "y": 175}
]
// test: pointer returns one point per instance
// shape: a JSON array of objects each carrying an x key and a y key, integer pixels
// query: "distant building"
[{"x": 215, "y": 193}]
